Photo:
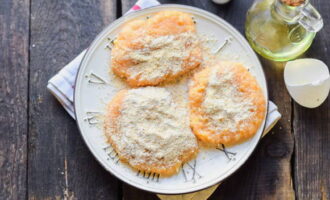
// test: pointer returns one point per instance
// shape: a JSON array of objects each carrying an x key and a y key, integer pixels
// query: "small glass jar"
[{"x": 282, "y": 30}]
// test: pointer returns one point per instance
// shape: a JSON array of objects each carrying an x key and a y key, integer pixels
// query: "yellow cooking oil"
[{"x": 273, "y": 30}]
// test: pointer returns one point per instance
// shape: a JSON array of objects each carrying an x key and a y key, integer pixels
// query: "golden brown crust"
[
  {"x": 112, "y": 114},
  {"x": 111, "y": 127},
  {"x": 161, "y": 24},
  {"x": 165, "y": 170},
  {"x": 246, "y": 85}
]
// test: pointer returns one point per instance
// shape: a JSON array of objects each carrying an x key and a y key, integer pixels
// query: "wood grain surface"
[
  {"x": 14, "y": 67},
  {"x": 312, "y": 129},
  {"x": 42, "y": 155},
  {"x": 60, "y": 166}
]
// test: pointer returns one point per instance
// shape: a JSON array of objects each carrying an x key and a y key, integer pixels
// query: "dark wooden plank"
[
  {"x": 60, "y": 165},
  {"x": 126, "y": 5},
  {"x": 14, "y": 62},
  {"x": 312, "y": 127},
  {"x": 267, "y": 174},
  {"x": 132, "y": 193}
]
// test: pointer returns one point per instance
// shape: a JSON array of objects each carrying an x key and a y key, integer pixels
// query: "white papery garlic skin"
[{"x": 308, "y": 81}]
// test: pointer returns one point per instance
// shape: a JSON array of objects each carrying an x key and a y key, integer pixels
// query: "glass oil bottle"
[{"x": 282, "y": 30}]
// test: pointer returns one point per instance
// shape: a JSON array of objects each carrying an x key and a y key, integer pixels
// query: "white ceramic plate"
[{"x": 95, "y": 87}]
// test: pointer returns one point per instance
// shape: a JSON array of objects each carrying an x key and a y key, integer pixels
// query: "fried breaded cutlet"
[
  {"x": 151, "y": 51},
  {"x": 149, "y": 131},
  {"x": 227, "y": 106}
]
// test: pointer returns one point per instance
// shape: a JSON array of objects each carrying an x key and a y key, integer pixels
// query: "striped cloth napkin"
[{"x": 62, "y": 87}]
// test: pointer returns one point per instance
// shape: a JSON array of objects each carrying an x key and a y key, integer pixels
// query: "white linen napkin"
[{"x": 62, "y": 87}]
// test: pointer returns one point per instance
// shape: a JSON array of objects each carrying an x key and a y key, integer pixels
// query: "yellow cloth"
[{"x": 200, "y": 195}]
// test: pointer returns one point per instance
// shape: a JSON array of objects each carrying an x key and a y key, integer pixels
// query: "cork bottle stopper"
[{"x": 293, "y": 2}]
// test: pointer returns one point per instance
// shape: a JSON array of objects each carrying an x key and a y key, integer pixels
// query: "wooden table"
[{"x": 42, "y": 155}]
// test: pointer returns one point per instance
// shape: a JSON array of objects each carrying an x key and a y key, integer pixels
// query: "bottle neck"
[{"x": 290, "y": 14}]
